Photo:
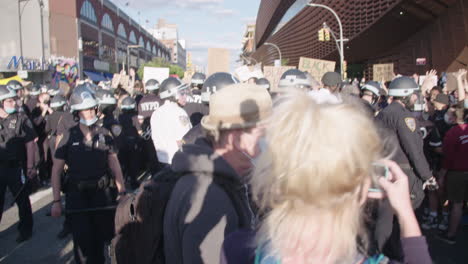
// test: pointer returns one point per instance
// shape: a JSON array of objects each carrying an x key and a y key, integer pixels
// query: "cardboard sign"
[
  {"x": 159, "y": 74},
  {"x": 433, "y": 80},
  {"x": 273, "y": 74},
  {"x": 452, "y": 83},
  {"x": 115, "y": 80},
  {"x": 316, "y": 68},
  {"x": 383, "y": 72}
]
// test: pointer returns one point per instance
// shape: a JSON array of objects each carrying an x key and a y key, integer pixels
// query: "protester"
[
  {"x": 212, "y": 200},
  {"x": 314, "y": 210}
]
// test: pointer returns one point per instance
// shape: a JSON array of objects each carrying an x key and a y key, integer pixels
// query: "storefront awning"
[{"x": 95, "y": 76}]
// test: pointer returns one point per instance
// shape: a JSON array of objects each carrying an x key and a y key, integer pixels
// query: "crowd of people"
[{"x": 311, "y": 171}]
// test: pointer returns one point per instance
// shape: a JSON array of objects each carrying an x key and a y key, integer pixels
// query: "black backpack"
[{"x": 139, "y": 219}]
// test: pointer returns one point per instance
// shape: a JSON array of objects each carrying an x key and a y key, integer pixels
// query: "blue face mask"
[
  {"x": 88, "y": 122},
  {"x": 10, "y": 110}
]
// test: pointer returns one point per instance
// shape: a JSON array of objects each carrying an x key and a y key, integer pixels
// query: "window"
[
  {"x": 148, "y": 46},
  {"x": 132, "y": 37},
  {"x": 121, "y": 31},
  {"x": 154, "y": 50},
  {"x": 141, "y": 42},
  {"x": 107, "y": 22},
  {"x": 87, "y": 12}
]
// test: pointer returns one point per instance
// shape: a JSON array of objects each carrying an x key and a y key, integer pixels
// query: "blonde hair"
[{"x": 309, "y": 181}]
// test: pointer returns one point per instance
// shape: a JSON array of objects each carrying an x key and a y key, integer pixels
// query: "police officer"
[
  {"x": 370, "y": 94},
  {"x": 89, "y": 152},
  {"x": 129, "y": 149},
  {"x": 294, "y": 78},
  {"x": 32, "y": 98},
  {"x": 39, "y": 116},
  {"x": 107, "y": 111},
  {"x": 147, "y": 105},
  {"x": 196, "y": 85},
  {"x": 57, "y": 123},
  {"x": 214, "y": 83},
  {"x": 170, "y": 122},
  {"x": 16, "y": 157},
  {"x": 195, "y": 107},
  {"x": 19, "y": 89},
  {"x": 398, "y": 121}
]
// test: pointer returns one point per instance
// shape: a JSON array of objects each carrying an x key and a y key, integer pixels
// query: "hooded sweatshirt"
[{"x": 207, "y": 203}]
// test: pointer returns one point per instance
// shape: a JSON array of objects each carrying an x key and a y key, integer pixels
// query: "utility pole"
[{"x": 277, "y": 48}]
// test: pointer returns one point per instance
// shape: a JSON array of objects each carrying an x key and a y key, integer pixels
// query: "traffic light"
[
  {"x": 321, "y": 35},
  {"x": 327, "y": 34}
]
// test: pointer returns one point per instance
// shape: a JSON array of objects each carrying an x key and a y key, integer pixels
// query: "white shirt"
[
  {"x": 169, "y": 123},
  {"x": 324, "y": 96}
]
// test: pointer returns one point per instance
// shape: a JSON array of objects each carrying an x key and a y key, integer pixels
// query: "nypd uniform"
[
  {"x": 169, "y": 123},
  {"x": 15, "y": 131},
  {"x": 88, "y": 184}
]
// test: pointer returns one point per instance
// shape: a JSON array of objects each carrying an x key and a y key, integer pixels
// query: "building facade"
[
  {"x": 380, "y": 31},
  {"x": 168, "y": 34},
  {"x": 79, "y": 37}
]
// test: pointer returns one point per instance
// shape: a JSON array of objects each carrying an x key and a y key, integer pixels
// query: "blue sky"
[{"x": 202, "y": 23}]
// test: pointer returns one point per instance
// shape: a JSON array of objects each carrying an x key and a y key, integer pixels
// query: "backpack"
[{"x": 139, "y": 219}]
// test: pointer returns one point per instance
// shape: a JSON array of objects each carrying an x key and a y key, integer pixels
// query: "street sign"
[
  {"x": 421, "y": 61},
  {"x": 23, "y": 74}
]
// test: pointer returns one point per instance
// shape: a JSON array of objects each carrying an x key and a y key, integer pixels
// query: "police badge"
[
  {"x": 410, "y": 123},
  {"x": 116, "y": 130}
]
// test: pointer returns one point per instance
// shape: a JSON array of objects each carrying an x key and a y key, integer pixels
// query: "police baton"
[
  {"x": 20, "y": 191},
  {"x": 87, "y": 210}
]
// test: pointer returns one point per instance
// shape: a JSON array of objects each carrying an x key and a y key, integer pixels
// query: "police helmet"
[
  {"x": 82, "y": 98},
  {"x": 152, "y": 85},
  {"x": 14, "y": 85},
  {"x": 263, "y": 82},
  {"x": 373, "y": 87},
  {"x": 35, "y": 89},
  {"x": 128, "y": 103},
  {"x": 294, "y": 78},
  {"x": 170, "y": 87},
  {"x": 105, "y": 97},
  {"x": 6, "y": 93},
  {"x": 402, "y": 87},
  {"x": 216, "y": 82},
  {"x": 198, "y": 78},
  {"x": 58, "y": 101}
]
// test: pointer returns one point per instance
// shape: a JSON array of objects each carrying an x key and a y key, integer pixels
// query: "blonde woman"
[{"x": 312, "y": 181}]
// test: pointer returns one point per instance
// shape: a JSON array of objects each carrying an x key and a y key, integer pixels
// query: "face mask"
[
  {"x": 466, "y": 103},
  {"x": 10, "y": 110},
  {"x": 88, "y": 122}
]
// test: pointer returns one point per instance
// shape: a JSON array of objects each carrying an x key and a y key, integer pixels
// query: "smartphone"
[{"x": 378, "y": 170}]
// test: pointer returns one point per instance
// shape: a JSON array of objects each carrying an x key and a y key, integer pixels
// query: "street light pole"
[
  {"x": 341, "y": 51},
  {"x": 20, "y": 34},
  {"x": 274, "y": 45}
]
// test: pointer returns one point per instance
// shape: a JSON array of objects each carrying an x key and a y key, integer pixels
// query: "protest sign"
[
  {"x": 273, "y": 74},
  {"x": 383, "y": 72},
  {"x": 159, "y": 74},
  {"x": 316, "y": 68},
  {"x": 433, "y": 80}
]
